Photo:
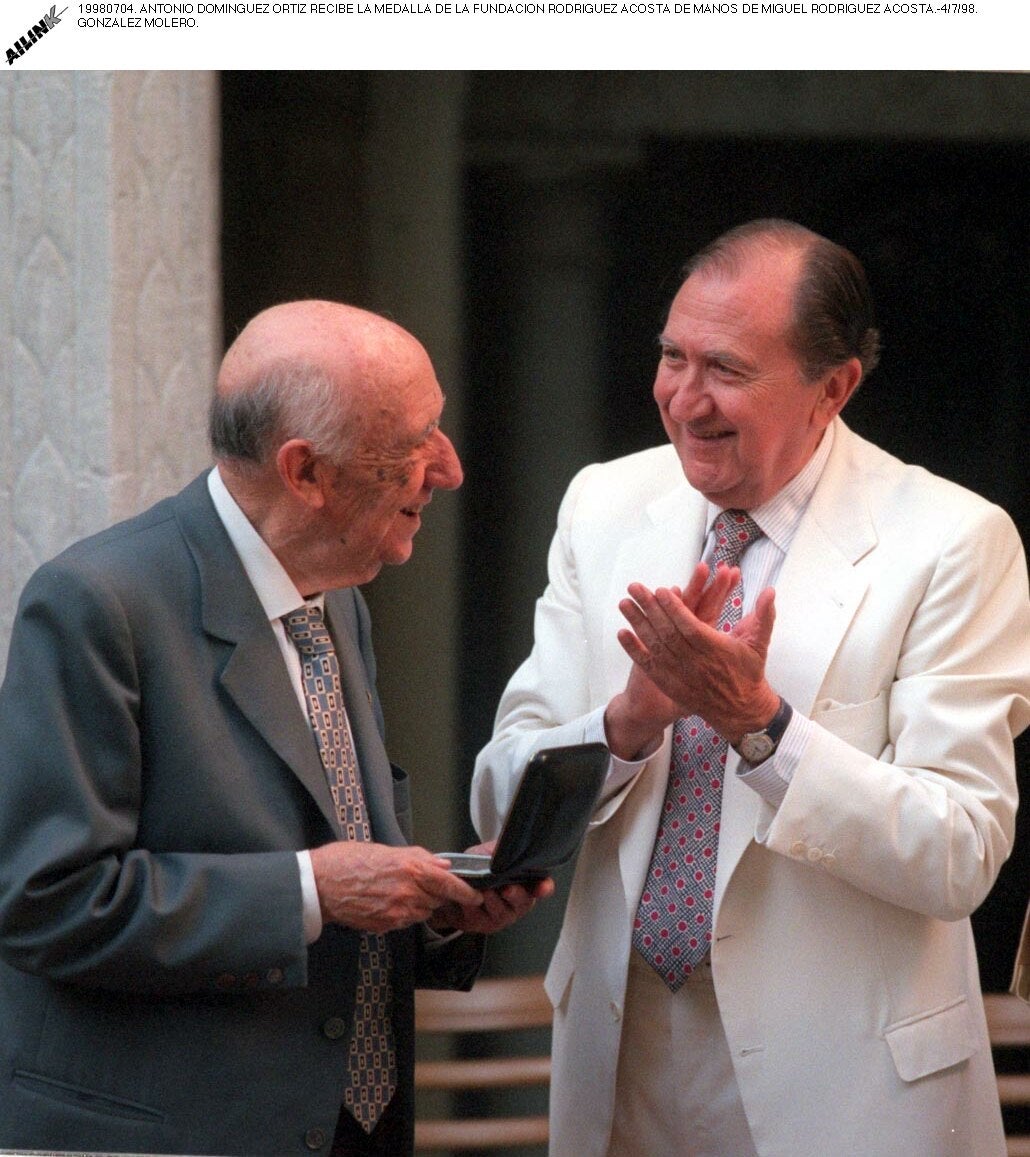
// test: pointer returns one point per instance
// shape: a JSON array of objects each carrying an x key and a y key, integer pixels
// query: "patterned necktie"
[
  {"x": 673, "y": 925},
  {"x": 372, "y": 1062}
]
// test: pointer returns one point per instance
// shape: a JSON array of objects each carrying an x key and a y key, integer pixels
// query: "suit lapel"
[
  {"x": 818, "y": 593},
  {"x": 254, "y": 675},
  {"x": 663, "y": 552},
  {"x": 819, "y": 589}
]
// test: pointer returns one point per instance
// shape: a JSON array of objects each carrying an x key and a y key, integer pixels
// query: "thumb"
[{"x": 756, "y": 629}]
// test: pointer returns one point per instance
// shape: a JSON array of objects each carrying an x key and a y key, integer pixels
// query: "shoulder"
[
  {"x": 145, "y": 553},
  {"x": 909, "y": 501},
  {"x": 620, "y": 490}
]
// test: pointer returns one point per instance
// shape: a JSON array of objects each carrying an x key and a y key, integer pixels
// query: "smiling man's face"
[
  {"x": 377, "y": 498},
  {"x": 729, "y": 386}
]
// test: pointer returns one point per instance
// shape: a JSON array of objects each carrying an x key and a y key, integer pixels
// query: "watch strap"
[{"x": 762, "y": 744}]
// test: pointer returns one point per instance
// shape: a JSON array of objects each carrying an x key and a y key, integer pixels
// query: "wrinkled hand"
[
  {"x": 636, "y": 717},
  {"x": 500, "y": 906},
  {"x": 378, "y": 888},
  {"x": 716, "y": 674}
]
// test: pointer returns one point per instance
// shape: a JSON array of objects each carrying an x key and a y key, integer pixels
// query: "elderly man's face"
[
  {"x": 374, "y": 511},
  {"x": 729, "y": 388}
]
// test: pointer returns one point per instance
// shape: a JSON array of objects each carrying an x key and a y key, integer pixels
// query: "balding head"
[
  {"x": 831, "y": 304},
  {"x": 317, "y": 370},
  {"x": 326, "y": 427}
]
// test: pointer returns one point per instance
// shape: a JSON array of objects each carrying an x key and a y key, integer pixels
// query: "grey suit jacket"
[{"x": 156, "y": 993}]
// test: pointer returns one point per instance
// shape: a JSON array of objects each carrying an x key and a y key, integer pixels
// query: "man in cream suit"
[
  {"x": 864, "y": 691},
  {"x": 188, "y": 907}
]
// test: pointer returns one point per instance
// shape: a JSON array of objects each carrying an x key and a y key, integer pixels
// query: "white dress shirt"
[{"x": 278, "y": 596}]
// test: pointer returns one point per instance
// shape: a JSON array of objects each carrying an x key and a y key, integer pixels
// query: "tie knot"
[
  {"x": 308, "y": 631},
  {"x": 734, "y": 530}
]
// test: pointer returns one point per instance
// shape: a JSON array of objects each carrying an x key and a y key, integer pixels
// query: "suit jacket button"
[
  {"x": 315, "y": 1138},
  {"x": 274, "y": 976},
  {"x": 335, "y": 1027},
  {"x": 798, "y": 848}
]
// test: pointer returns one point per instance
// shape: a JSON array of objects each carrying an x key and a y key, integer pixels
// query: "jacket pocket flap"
[{"x": 932, "y": 1041}]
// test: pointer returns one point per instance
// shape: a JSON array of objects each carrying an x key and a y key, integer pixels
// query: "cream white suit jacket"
[{"x": 843, "y": 959}]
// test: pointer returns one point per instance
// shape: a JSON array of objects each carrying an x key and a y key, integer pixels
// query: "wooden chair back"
[
  {"x": 498, "y": 1005},
  {"x": 1008, "y": 1022}
]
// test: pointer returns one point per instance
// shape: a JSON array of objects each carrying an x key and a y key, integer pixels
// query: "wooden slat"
[
  {"x": 493, "y": 1005},
  {"x": 1014, "y": 1088},
  {"x": 1008, "y": 1019},
  {"x": 483, "y": 1073},
  {"x": 1008, "y": 1022},
  {"x": 493, "y": 1134}
]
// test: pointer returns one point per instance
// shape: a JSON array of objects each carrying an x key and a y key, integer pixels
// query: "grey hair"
[
  {"x": 834, "y": 318},
  {"x": 292, "y": 400}
]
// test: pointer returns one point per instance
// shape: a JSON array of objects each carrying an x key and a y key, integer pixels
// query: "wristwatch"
[{"x": 756, "y": 746}]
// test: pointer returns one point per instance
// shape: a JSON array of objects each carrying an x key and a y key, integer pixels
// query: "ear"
[
  {"x": 303, "y": 472},
  {"x": 835, "y": 390}
]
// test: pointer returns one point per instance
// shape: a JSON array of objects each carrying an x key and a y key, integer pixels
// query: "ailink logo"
[{"x": 36, "y": 32}]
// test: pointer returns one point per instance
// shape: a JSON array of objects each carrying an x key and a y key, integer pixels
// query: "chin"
[{"x": 396, "y": 555}]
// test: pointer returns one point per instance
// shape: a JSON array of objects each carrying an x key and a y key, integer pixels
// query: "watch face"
[{"x": 755, "y": 748}]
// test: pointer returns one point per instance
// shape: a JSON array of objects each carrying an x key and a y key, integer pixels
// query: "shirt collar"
[
  {"x": 780, "y": 516},
  {"x": 275, "y": 590}
]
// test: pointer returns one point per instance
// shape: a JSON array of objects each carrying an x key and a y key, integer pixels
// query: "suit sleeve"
[
  {"x": 80, "y": 899},
  {"x": 926, "y": 820}
]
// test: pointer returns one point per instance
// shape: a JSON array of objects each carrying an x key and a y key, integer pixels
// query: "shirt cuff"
[
  {"x": 772, "y": 777},
  {"x": 312, "y": 912},
  {"x": 434, "y": 937},
  {"x": 620, "y": 771}
]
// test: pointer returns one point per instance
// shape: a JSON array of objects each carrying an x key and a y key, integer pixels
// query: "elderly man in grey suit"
[{"x": 212, "y": 918}]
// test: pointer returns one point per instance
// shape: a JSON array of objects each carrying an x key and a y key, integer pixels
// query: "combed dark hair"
[
  {"x": 248, "y": 424},
  {"x": 834, "y": 318}
]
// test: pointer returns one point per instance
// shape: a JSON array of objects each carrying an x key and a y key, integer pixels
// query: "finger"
[
  {"x": 635, "y": 649},
  {"x": 497, "y": 907},
  {"x": 521, "y": 897},
  {"x": 712, "y": 600},
  {"x": 765, "y": 617},
  {"x": 678, "y": 628},
  {"x": 643, "y": 630},
  {"x": 696, "y": 585},
  {"x": 445, "y": 887},
  {"x": 485, "y": 849},
  {"x": 653, "y": 623}
]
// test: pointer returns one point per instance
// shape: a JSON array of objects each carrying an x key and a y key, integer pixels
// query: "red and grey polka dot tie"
[
  {"x": 372, "y": 1061},
  {"x": 673, "y": 926}
]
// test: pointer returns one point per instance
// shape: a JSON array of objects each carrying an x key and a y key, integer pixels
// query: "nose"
[
  {"x": 683, "y": 395},
  {"x": 445, "y": 472}
]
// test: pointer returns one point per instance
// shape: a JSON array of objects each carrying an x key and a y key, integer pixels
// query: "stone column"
[{"x": 109, "y": 300}]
